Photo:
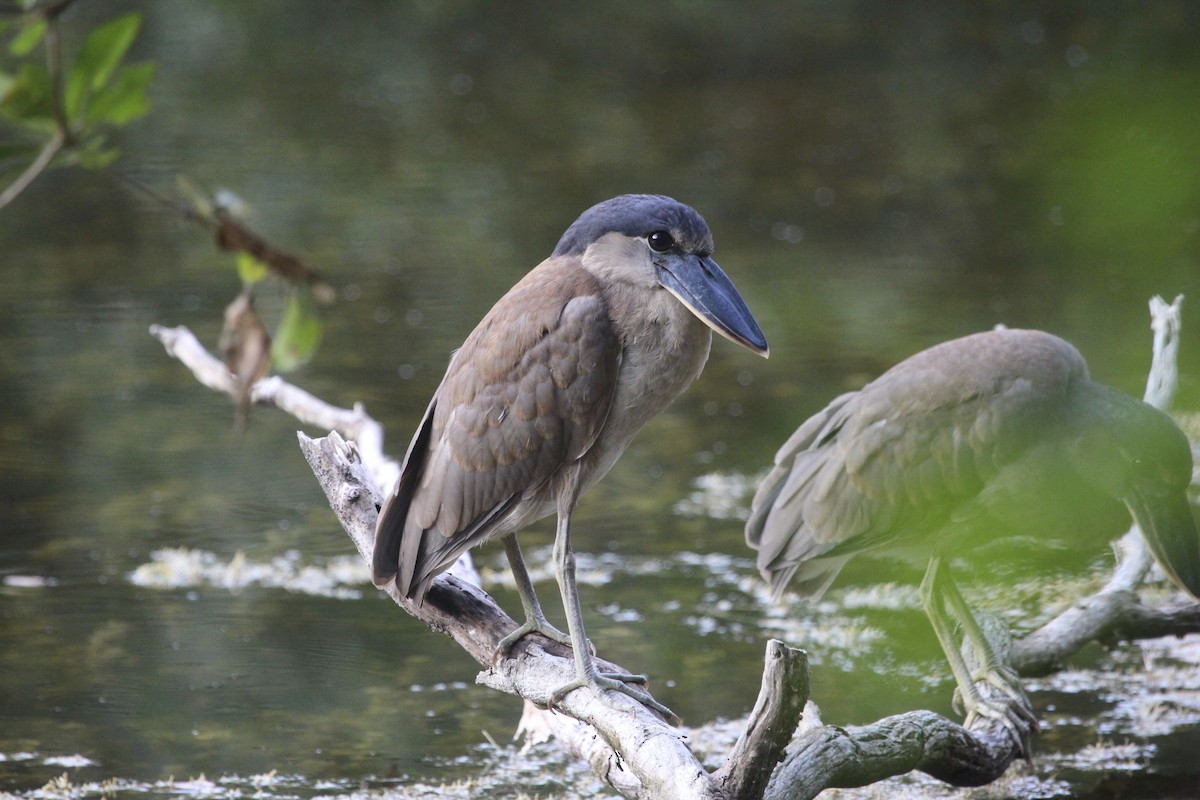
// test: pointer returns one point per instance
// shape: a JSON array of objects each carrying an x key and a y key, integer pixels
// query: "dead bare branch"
[
  {"x": 353, "y": 423},
  {"x": 772, "y": 723},
  {"x": 636, "y": 752},
  {"x": 650, "y": 749}
]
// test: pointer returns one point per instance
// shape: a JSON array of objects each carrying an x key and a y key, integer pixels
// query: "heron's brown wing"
[
  {"x": 528, "y": 392},
  {"x": 926, "y": 436},
  {"x": 906, "y": 454},
  {"x": 776, "y": 527}
]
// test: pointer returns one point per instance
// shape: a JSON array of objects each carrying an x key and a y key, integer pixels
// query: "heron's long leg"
[
  {"x": 939, "y": 595},
  {"x": 535, "y": 620},
  {"x": 990, "y": 667},
  {"x": 586, "y": 673}
]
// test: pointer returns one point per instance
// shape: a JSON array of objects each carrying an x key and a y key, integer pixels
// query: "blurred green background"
[{"x": 878, "y": 177}]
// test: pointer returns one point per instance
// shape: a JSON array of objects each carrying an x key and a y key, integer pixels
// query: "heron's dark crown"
[{"x": 637, "y": 215}]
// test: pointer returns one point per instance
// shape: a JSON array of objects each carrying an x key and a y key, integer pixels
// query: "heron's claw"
[
  {"x": 617, "y": 682},
  {"x": 1015, "y": 714}
]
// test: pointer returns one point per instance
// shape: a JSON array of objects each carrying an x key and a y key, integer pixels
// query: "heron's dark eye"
[{"x": 660, "y": 241}]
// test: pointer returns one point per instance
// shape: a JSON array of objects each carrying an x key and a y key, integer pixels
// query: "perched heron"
[
  {"x": 993, "y": 435},
  {"x": 545, "y": 395}
]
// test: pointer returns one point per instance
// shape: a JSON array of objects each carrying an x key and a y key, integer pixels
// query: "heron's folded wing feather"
[
  {"x": 528, "y": 392},
  {"x": 901, "y": 457}
]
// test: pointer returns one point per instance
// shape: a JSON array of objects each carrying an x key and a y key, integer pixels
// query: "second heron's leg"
[
  {"x": 939, "y": 596},
  {"x": 586, "y": 674},
  {"x": 535, "y": 620}
]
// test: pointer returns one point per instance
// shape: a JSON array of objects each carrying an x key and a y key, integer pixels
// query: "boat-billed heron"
[
  {"x": 545, "y": 395},
  {"x": 989, "y": 436}
]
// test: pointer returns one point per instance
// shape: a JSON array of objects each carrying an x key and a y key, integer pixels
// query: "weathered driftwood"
[
  {"x": 776, "y": 713},
  {"x": 353, "y": 423},
  {"x": 638, "y": 753},
  {"x": 645, "y": 757},
  {"x": 1113, "y": 614},
  {"x": 647, "y": 747},
  {"x": 748, "y": 767}
]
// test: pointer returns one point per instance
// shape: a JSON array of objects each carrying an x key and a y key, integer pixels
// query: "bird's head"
[
  {"x": 653, "y": 242},
  {"x": 1140, "y": 456}
]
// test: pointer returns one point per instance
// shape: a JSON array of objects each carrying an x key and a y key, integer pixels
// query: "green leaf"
[
  {"x": 250, "y": 269},
  {"x": 95, "y": 154},
  {"x": 298, "y": 335},
  {"x": 102, "y": 51},
  {"x": 28, "y": 38},
  {"x": 28, "y": 97},
  {"x": 124, "y": 99}
]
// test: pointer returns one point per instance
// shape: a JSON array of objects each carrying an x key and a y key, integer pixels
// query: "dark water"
[{"x": 878, "y": 177}]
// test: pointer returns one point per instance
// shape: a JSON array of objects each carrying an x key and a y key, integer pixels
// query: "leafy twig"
[
  {"x": 62, "y": 136},
  {"x": 52, "y": 148},
  {"x": 74, "y": 105}
]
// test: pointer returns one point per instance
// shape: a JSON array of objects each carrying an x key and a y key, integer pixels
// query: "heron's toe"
[
  {"x": 505, "y": 645},
  {"x": 1009, "y": 706},
  {"x": 616, "y": 682}
]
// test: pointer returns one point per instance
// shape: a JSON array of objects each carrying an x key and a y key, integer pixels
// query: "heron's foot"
[
  {"x": 530, "y": 625},
  {"x": 617, "y": 682},
  {"x": 1015, "y": 713},
  {"x": 1003, "y": 678}
]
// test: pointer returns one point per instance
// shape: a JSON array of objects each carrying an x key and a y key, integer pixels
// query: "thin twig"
[
  {"x": 53, "y": 9},
  {"x": 63, "y": 137},
  {"x": 353, "y": 423},
  {"x": 54, "y": 67},
  {"x": 48, "y": 11},
  {"x": 52, "y": 148}
]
